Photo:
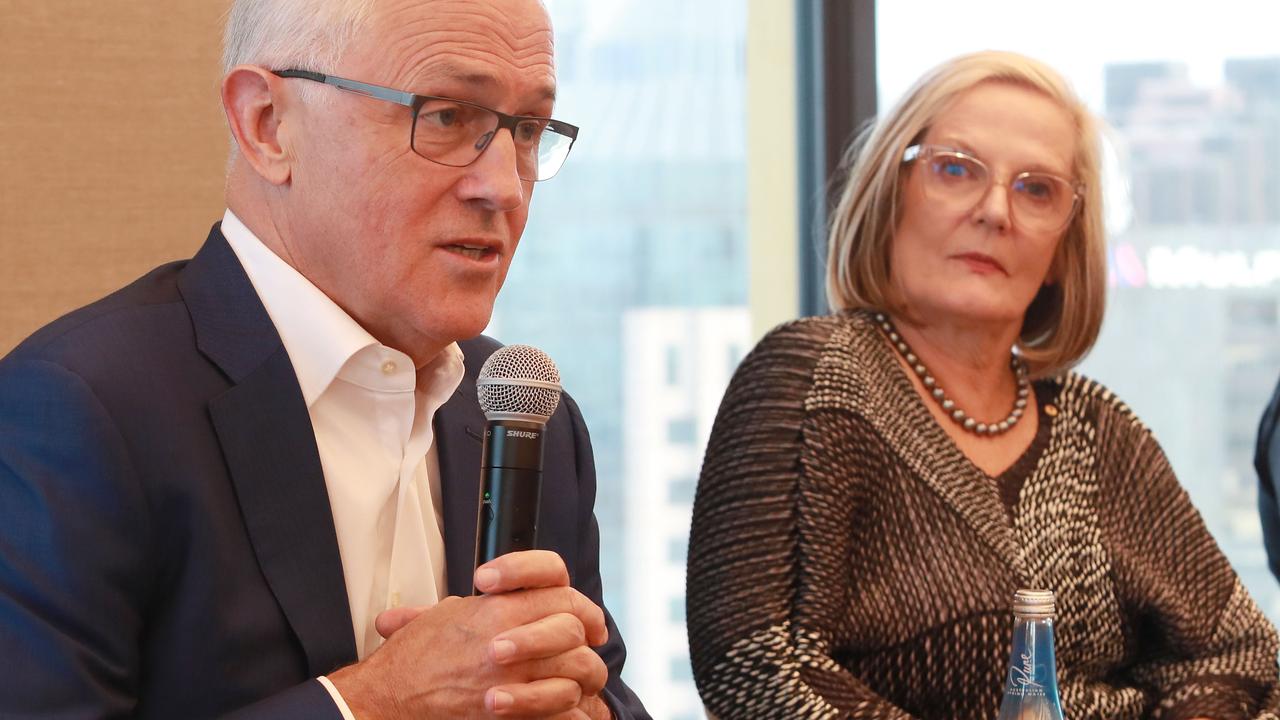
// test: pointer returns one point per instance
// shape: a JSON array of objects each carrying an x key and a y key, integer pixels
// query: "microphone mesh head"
[{"x": 519, "y": 382}]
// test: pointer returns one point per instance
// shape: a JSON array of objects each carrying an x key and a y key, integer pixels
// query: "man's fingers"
[
  {"x": 390, "y": 621},
  {"x": 512, "y": 610},
  {"x": 521, "y": 571},
  {"x": 539, "y": 698},
  {"x": 592, "y": 617},
  {"x": 581, "y": 665},
  {"x": 537, "y": 640},
  {"x": 537, "y": 604}
]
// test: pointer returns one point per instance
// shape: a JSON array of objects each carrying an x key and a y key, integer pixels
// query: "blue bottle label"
[
  {"x": 1031, "y": 685},
  {"x": 1023, "y": 680}
]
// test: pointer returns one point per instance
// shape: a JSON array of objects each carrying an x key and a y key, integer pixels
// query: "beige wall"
[
  {"x": 772, "y": 168},
  {"x": 112, "y": 146}
]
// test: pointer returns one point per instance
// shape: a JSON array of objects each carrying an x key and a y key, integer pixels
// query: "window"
[{"x": 632, "y": 275}]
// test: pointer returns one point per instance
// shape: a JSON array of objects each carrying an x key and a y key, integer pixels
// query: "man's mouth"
[{"x": 471, "y": 250}]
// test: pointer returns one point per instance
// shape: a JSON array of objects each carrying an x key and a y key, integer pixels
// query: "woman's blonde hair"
[{"x": 1065, "y": 317}]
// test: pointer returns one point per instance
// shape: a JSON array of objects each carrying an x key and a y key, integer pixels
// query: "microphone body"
[
  {"x": 510, "y": 488},
  {"x": 518, "y": 389}
]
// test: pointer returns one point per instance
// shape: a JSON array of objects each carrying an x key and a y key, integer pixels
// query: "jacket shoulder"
[
  {"x": 1093, "y": 396},
  {"x": 111, "y": 320},
  {"x": 794, "y": 345}
]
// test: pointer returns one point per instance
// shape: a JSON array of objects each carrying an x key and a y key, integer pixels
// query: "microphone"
[{"x": 519, "y": 389}]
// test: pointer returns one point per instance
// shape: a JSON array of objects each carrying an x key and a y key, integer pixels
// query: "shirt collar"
[{"x": 319, "y": 336}]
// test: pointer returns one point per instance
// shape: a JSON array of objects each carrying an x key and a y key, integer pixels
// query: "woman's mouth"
[{"x": 981, "y": 264}]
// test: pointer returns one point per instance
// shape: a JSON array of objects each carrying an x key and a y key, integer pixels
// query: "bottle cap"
[{"x": 1034, "y": 603}]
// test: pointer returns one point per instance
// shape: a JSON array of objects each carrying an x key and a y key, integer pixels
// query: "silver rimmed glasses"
[
  {"x": 454, "y": 132},
  {"x": 1038, "y": 202}
]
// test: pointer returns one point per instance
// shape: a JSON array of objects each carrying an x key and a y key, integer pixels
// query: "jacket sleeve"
[
  {"x": 1266, "y": 461},
  {"x": 77, "y": 557},
  {"x": 621, "y": 700},
  {"x": 1200, "y": 645},
  {"x": 757, "y": 650}
]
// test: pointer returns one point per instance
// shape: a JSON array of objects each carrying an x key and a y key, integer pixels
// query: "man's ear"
[{"x": 253, "y": 100}]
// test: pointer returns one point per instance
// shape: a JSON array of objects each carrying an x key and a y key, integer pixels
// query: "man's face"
[{"x": 416, "y": 251}]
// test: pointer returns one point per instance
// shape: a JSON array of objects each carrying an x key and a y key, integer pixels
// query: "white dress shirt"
[{"x": 371, "y": 411}]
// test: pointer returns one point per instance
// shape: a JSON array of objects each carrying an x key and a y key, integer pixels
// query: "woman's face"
[{"x": 979, "y": 258}]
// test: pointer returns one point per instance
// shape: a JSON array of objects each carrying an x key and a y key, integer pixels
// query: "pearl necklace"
[{"x": 948, "y": 405}]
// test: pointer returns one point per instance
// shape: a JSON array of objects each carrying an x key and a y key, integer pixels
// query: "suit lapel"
[
  {"x": 459, "y": 425},
  {"x": 265, "y": 432}
]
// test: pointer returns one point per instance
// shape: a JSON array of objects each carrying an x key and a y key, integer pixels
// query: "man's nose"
[{"x": 493, "y": 180}]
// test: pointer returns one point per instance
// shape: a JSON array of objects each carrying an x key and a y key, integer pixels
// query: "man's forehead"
[
  {"x": 476, "y": 75},
  {"x": 481, "y": 43},
  {"x": 518, "y": 31}
]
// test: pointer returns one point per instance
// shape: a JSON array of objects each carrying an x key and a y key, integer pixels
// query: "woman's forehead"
[{"x": 1009, "y": 124}]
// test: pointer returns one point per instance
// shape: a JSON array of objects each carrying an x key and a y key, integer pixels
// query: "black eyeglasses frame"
[{"x": 415, "y": 102}]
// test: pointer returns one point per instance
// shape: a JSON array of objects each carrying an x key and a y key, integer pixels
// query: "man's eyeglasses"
[
  {"x": 1038, "y": 202},
  {"x": 455, "y": 132}
]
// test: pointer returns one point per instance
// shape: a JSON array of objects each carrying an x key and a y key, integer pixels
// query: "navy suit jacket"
[
  {"x": 167, "y": 547},
  {"x": 1266, "y": 460}
]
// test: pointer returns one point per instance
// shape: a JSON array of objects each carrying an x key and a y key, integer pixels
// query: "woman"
[{"x": 879, "y": 482}]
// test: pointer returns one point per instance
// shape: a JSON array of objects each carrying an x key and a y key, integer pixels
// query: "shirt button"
[{"x": 388, "y": 367}]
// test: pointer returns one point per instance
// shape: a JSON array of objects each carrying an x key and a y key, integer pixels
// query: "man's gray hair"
[
  {"x": 301, "y": 34},
  {"x": 291, "y": 34}
]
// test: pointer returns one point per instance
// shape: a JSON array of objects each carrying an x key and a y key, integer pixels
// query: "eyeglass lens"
[
  {"x": 455, "y": 133},
  {"x": 1038, "y": 202}
]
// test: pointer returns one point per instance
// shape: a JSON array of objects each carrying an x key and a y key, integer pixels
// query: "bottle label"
[
  {"x": 1022, "y": 678},
  {"x": 1031, "y": 688}
]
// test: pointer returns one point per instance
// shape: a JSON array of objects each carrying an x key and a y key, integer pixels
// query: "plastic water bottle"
[{"x": 1031, "y": 683}]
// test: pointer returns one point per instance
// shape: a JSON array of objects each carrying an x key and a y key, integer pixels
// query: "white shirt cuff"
[{"x": 337, "y": 698}]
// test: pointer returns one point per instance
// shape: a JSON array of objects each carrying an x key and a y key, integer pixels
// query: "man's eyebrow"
[{"x": 456, "y": 73}]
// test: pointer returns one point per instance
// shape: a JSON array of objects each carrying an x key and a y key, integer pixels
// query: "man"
[
  {"x": 1266, "y": 460},
  {"x": 223, "y": 486}
]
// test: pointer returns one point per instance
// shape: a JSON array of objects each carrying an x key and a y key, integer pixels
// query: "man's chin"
[{"x": 469, "y": 325}]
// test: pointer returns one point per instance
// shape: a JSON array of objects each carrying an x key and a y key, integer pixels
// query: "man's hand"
[
  {"x": 390, "y": 621},
  {"x": 594, "y": 708},
  {"x": 524, "y": 649}
]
